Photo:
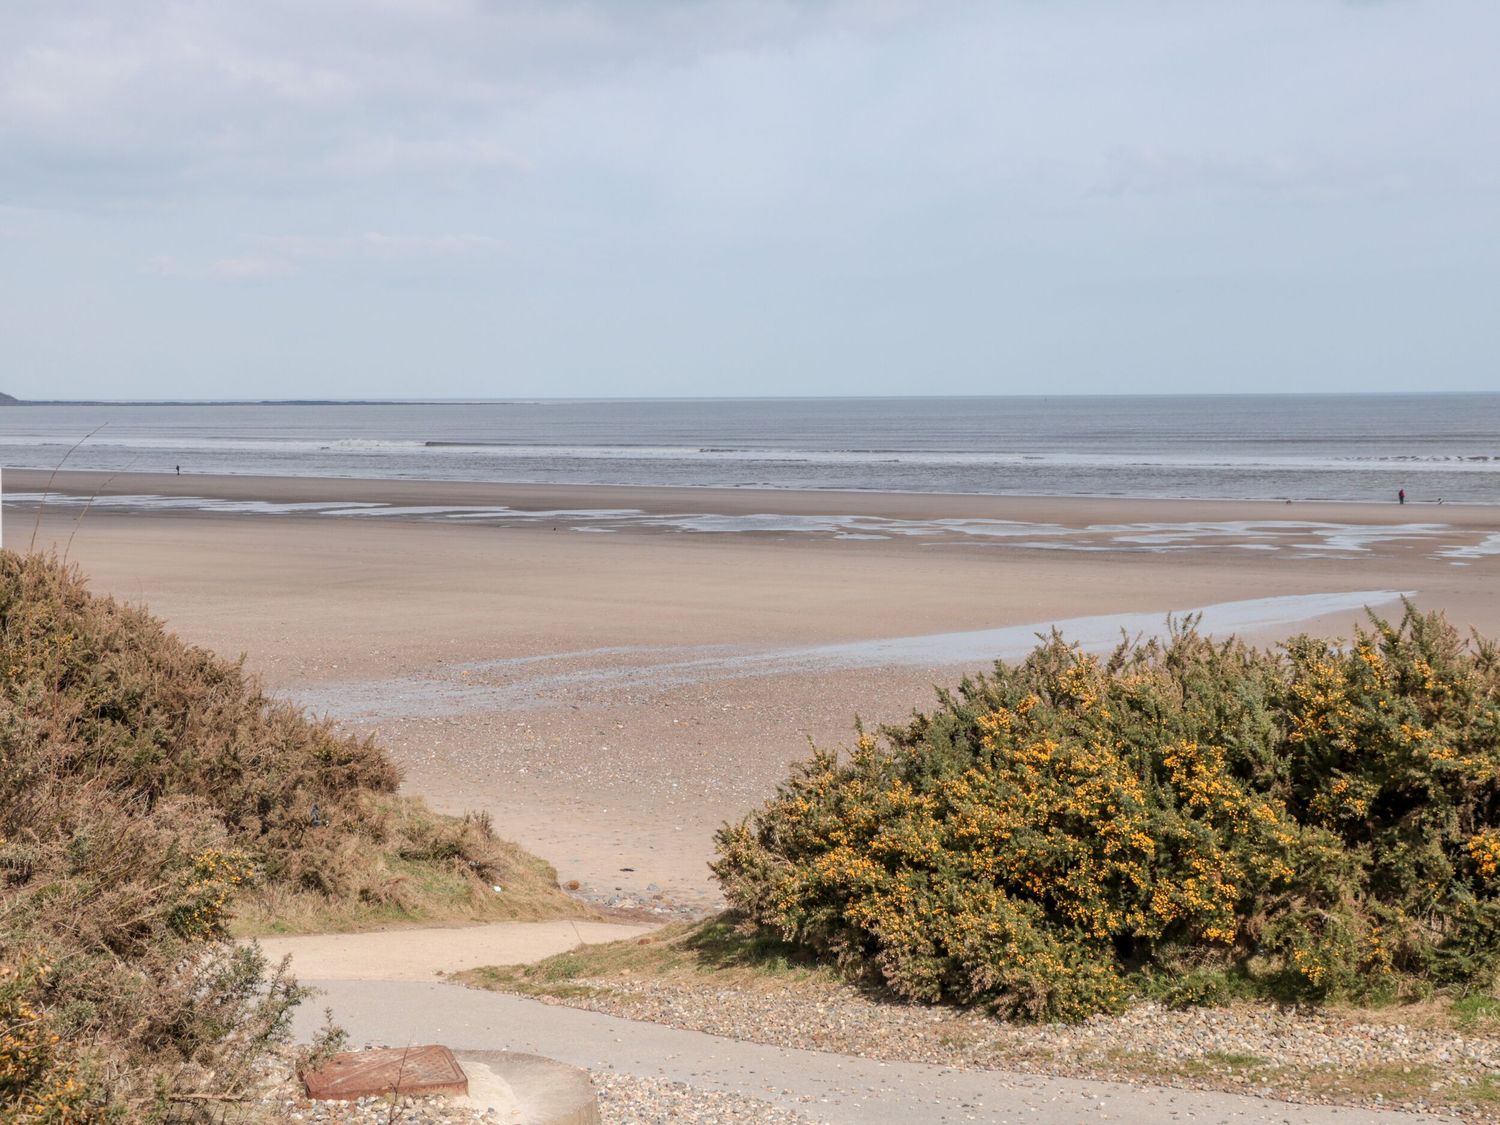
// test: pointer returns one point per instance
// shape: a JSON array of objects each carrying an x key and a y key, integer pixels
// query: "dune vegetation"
[
  {"x": 1185, "y": 819},
  {"x": 154, "y": 797}
]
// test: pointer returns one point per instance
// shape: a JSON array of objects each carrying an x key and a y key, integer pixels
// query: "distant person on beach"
[
  {"x": 1401, "y": 495},
  {"x": 179, "y": 470}
]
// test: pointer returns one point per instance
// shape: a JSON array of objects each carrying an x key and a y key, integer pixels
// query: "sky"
[{"x": 456, "y": 198}]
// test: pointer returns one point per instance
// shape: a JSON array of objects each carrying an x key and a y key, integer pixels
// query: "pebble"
[
  {"x": 627, "y": 1099},
  {"x": 285, "y": 1106},
  {"x": 1248, "y": 1048},
  {"x": 624, "y": 1099}
]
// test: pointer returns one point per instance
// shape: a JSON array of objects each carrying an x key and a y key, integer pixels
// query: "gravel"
[
  {"x": 626, "y": 1099},
  {"x": 377, "y": 1111},
  {"x": 830, "y": 1019},
  {"x": 1327, "y": 1057},
  {"x": 1322, "y": 1057}
]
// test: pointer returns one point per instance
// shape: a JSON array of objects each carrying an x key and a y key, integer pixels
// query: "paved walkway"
[
  {"x": 837, "y": 1089},
  {"x": 426, "y": 954}
]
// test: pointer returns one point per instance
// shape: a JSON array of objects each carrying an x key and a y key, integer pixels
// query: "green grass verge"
[
  {"x": 716, "y": 950},
  {"x": 1477, "y": 1013}
]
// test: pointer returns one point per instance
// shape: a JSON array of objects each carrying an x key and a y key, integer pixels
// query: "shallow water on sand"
[
  {"x": 514, "y": 684},
  {"x": 1294, "y": 538}
]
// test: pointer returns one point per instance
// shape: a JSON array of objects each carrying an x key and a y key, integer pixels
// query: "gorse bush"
[
  {"x": 1183, "y": 818},
  {"x": 147, "y": 788}
]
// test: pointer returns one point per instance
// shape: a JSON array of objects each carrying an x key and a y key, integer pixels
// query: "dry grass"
[
  {"x": 416, "y": 893},
  {"x": 152, "y": 790}
]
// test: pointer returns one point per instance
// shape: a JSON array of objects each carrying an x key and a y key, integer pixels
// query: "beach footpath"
[{"x": 725, "y": 1078}]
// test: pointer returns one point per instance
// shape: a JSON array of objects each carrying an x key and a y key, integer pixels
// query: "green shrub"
[{"x": 1315, "y": 821}]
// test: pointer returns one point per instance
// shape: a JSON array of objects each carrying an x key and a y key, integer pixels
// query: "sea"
[{"x": 1304, "y": 447}]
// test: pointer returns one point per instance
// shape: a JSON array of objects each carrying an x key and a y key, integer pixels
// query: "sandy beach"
[{"x": 611, "y": 698}]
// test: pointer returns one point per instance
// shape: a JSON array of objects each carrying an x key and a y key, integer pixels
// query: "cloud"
[
  {"x": 378, "y": 245},
  {"x": 275, "y": 256},
  {"x": 376, "y": 155},
  {"x": 822, "y": 188},
  {"x": 249, "y": 268},
  {"x": 103, "y": 102},
  {"x": 152, "y": 102},
  {"x": 1155, "y": 172}
]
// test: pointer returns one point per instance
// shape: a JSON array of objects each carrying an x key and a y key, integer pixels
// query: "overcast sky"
[{"x": 416, "y": 198}]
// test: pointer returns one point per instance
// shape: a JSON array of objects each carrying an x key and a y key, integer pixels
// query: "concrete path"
[
  {"x": 425, "y": 954},
  {"x": 837, "y": 1089}
]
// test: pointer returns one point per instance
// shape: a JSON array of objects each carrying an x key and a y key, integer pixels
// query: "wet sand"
[
  {"x": 612, "y": 698},
  {"x": 1075, "y": 510}
]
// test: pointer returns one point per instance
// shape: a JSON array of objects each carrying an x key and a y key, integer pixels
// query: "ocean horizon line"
[{"x": 535, "y": 400}]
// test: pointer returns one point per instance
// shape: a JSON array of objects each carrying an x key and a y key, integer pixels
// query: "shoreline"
[
  {"x": 1458, "y": 535},
  {"x": 673, "y": 499}
]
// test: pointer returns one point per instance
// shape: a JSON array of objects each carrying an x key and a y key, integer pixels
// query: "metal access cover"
[{"x": 387, "y": 1070}]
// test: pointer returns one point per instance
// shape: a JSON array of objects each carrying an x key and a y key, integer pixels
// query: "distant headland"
[{"x": 12, "y": 400}]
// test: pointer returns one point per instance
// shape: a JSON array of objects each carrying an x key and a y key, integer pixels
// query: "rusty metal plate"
[{"x": 388, "y": 1070}]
